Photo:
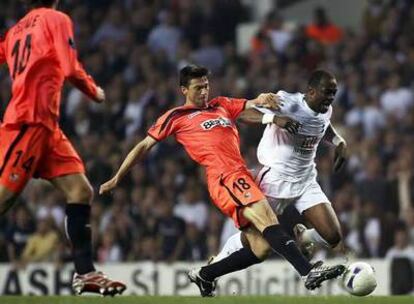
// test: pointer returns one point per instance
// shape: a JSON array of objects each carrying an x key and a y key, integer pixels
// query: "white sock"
[
  {"x": 232, "y": 244},
  {"x": 312, "y": 236}
]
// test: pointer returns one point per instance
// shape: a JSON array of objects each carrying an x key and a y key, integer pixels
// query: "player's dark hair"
[
  {"x": 318, "y": 76},
  {"x": 38, "y": 3},
  {"x": 190, "y": 72}
]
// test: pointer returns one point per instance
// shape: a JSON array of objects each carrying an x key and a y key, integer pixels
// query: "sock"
[
  {"x": 232, "y": 244},
  {"x": 285, "y": 246},
  {"x": 78, "y": 231},
  {"x": 312, "y": 236},
  {"x": 238, "y": 260}
]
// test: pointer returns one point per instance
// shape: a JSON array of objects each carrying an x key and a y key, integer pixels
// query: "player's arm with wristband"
[
  {"x": 137, "y": 153},
  {"x": 264, "y": 109},
  {"x": 333, "y": 137}
]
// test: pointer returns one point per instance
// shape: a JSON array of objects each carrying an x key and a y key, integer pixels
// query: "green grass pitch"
[{"x": 198, "y": 300}]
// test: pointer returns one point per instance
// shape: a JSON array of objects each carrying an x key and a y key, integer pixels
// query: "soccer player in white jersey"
[{"x": 289, "y": 172}]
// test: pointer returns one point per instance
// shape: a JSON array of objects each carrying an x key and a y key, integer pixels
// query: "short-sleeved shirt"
[
  {"x": 40, "y": 53},
  {"x": 209, "y": 135}
]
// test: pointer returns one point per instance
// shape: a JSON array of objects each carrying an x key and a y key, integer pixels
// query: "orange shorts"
[
  {"x": 231, "y": 193},
  {"x": 34, "y": 151}
]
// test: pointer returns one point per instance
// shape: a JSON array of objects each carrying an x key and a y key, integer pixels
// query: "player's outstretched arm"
[
  {"x": 137, "y": 153},
  {"x": 253, "y": 115},
  {"x": 256, "y": 109},
  {"x": 333, "y": 137},
  {"x": 265, "y": 100}
]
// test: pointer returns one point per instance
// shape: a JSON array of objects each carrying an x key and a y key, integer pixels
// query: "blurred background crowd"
[{"x": 162, "y": 212}]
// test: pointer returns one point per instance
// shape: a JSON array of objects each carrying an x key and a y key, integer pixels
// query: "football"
[{"x": 359, "y": 279}]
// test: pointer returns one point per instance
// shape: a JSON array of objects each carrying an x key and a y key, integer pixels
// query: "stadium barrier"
[{"x": 147, "y": 278}]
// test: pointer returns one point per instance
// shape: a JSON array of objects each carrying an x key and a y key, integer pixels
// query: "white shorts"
[{"x": 280, "y": 193}]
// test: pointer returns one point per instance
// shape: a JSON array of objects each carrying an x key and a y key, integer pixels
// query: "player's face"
[
  {"x": 197, "y": 91},
  {"x": 324, "y": 95}
]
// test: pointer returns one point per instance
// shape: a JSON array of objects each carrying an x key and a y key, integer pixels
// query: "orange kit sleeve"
[
  {"x": 234, "y": 106},
  {"x": 164, "y": 126},
  {"x": 63, "y": 40}
]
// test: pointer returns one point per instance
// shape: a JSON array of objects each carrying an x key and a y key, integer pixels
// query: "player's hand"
[
  {"x": 290, "y": 125},
  {"x": 100, "y": 95},
  {"x": 269, "y": 101},
  {"x": 340, "y": 156},
  {"x": 109, "y": 185}
]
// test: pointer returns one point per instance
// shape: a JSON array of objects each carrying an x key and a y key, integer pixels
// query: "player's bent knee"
[
  {"x": 83, "y": 193},
  {"x": 260, "y": 214}
]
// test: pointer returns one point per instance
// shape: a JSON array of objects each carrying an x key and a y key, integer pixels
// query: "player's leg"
[
  {"x": 271, "y": 237},
  {"x": 237, "y": 254},
  {"x": 233, "y": 243},
  {"x": 261, "y": 215},
  {"x": 326, "y": 229},
  {"x": 7, "y": 199},
  {"x": 78, "y": 193},
  {"x": 239, "y": 197},
  {"x": 20, "y": 148},
  {"x": 63, "y": 167},
  {"x": 245, "y": 239},
  {"x": 318, "y": 211}
]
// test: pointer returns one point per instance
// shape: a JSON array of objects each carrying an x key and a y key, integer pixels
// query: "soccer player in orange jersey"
[
  {"x": 41, "y": 54},
  {"x": 208, "y": 133}
]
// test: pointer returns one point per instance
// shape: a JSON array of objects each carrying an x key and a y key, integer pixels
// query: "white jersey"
[{"x": 292, "y": 157}]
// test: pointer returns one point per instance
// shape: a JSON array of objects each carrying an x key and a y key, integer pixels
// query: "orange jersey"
[
  {"x": 209, "y": 135},
  {"x": 40, "y": 52}
]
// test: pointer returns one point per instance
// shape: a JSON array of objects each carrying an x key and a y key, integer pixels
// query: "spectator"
[
  {"x": 322, "y": 30},
  {"x": 401, "y": 256},
  {"x": 373, "y": 17},
  {"x": 367, "y": 115},
  {"x": 165, "y": 37},
  {"x": 109, "y": 251},
  {"x": 401, "y": 184},
  {"x": 191, "y": 208},
  {"x": 113, "y": 28},
  {"x": 195, "y": 246},
  {"x": 42, "y": 245},
  {"x": 372, "y": 185},
  {"x": 170, "y": 231},
  {"x": 209, "y": 54},
  {"x": 18, "y": 233},
  {"x": 279, "y": 35},
  {"x": 397, "y": 99}
]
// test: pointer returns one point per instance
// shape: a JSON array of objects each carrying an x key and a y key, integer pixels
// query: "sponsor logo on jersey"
[
  {"x": 305, "y": 144},
  {"x": 211, "y": 123}
]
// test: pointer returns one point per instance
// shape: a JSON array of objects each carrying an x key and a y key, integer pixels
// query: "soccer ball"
[{"x": 359, "y": 279}]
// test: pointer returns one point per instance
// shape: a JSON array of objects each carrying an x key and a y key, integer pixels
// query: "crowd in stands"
[{"x": 162, "y": 211}]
